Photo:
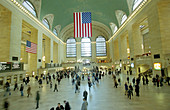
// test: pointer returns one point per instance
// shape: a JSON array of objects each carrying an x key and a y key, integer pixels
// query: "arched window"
[
  {"x": 85, "y": 47},
  {"x": 46, "y": 23},
  {"x": 55, "y": 31},
  {"x": 124, "y": 17},
  {"x": 100, "y": 46},
  {"x": 115, "y": 29},
  {"x": 136, "y": 3},
  {"x": 71, "y": 47},
  {"x": 29, "y": 7}
]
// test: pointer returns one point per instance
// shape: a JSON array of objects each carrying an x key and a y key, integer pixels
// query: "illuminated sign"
[
  {"x": 120, "y": 64},
  {"x": 157, "y": 66},
  {"x": 132, "y": 65}
]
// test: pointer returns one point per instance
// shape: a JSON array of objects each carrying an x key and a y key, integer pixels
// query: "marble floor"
[{"x": 103, "y": 96}]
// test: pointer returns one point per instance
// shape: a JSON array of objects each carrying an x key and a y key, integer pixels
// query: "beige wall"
[
  {"x": 164, "y": 21},
  {"x": 13, "y": 19},
  {"x": 157, "y": 37},
  {"x": 5, "y": 32},
  {"x": 55, "y": 52}
]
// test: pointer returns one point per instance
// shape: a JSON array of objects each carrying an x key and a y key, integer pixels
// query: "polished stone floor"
[{"x": 103, "y": 96}]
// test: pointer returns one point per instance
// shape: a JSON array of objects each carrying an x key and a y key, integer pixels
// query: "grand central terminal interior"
[{"x": 119, "y": 40}]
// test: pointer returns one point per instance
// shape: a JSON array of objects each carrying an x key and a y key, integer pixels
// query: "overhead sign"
[
  {"x": 4, "y": 66},
  {"x": 157, "y": 66},
  {"x": 16, "y": 66}
]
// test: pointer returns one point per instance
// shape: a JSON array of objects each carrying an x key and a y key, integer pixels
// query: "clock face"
[{"x": 157, "y": 66}]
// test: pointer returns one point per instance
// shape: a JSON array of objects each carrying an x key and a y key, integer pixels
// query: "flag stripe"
[
  {"x": 82, "y": 30},
  {"x": 81, "y": 24},
  {"x": 74, "y": 24},
  {"x": 85, "y": 30},
  {"x": 88, "y": 30},
  {"x": 91, "y": 29},
  {"x": 77, "y": 23}
]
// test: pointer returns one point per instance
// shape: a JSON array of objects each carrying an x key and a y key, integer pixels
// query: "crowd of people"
[
  {"x": 158, "y": 80},
  {"x": 92, "y": 79}
]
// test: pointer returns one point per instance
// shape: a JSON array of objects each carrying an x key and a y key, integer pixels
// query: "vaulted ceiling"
[{"x": 102, "y": 10}]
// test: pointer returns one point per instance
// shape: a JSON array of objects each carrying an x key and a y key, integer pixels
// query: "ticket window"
[
  {"x": 15, "y": 78},
  {"x": 9, "y": 79}
]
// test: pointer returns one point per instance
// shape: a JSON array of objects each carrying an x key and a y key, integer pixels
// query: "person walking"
[
  {"x": 37, "y": 99},
  {"x": 128, "y": 79},
  {"x": 119, "y": 81},
  {"x": 22, "y": 89},
  {"x": 73, "y": 80},
  {"x": 6, "y": 104},
  {"x": 116, "y": 84},
  {"x": 85, "y": 93},
  {"x": 137, "y": 90},
  {"x": 67, "y": 105},
  {"x": 59, "y": 107},
  {"x": 147, "y": 81},
  {"x": 58, "y": 79},
  {"x": 55, "y": 87},
  {"x": 29, "y": 91},
  {"x": 83, "y": 77},
  {"x": 130, "y": 91},
  {"x": 77, "y": 88},
  {"x": 15, "y": 86},
  {"x": 40, "y": 83},
  {"x": 84, "y": 105},
  {"x": 89, "y": 84},
  {"x": 7, "y": 87},
  {"x": 51, "y": 85},
  {"x": 143, "y": 80},
  {"x": 126, "y": 88}
]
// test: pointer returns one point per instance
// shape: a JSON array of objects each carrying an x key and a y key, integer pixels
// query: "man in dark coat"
[
  {"x": 85, "y": 94},
  {"x": 67, "y": 105},
  {"x": 137, "y": 90},
  {"x": 60, "y": 107},
  {"x": 37, "y": 99}
]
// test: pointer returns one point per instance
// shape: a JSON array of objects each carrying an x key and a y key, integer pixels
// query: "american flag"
[
  {"x": 31, "y": 47},
  {"x": 82, "y": 24}
]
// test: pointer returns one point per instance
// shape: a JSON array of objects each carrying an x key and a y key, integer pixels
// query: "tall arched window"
[
  {"x": 115, "y": 29},
  {"x": 85, "y": 47},
  {"x": 46, "y": 23},
  {"x": 136, "y": 3},
  {"x": 55, "y": 31},
  {"x": 124, "y": 17},
  {"x": 100, "y": 46},
  {"x": 71, "y": 47},
  {"x": 28, "y": 5}
]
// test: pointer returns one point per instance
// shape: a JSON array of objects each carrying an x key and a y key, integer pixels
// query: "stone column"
[
  {"x": 16, "y": 33},
  {"x": 120, "y": 54},
  {"x": 39, "y": 48},
  {"x": 18, "y": 78},
  {"x": 12, "y": 79},
  {"x": 131, "y": 46},
  {"x": 51, "y": 57},
  {"x": 4, "y": 80},
  {"x": 155, "y": 38},
  {"x": 93, "y": 52},
  {"x": 78, "y": 49}
]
